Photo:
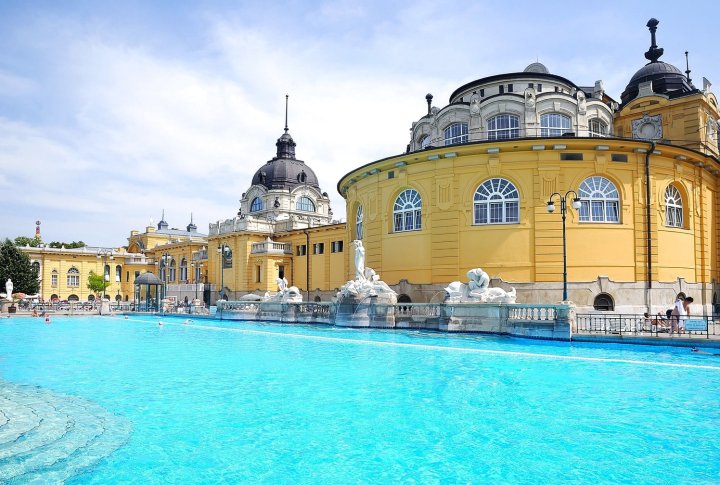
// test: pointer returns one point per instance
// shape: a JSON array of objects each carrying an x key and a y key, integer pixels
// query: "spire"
[
  {"x": 191, "y": 227},
  {"x": 162, "y": 224},
  {"x": 286, "y": 110},
  {"x": 285, "y": 144},
  {"x": 654, "y": 53},
  {"x": 687, "y": 68}
]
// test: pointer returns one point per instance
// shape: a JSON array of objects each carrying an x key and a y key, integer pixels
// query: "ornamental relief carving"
[{"x": 647, "y": 128}]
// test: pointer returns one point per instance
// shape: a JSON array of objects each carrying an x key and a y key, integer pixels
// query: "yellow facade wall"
[{"x": 449, "y": 243}]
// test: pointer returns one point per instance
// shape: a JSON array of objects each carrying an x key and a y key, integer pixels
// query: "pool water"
[{"x": 113, "y": 400}]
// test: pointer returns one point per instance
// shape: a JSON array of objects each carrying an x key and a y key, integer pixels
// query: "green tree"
[
  {"x": 15, "y": 265},
  {"x": 22, "y": 241},
  {"x": 96, "y": 283}
]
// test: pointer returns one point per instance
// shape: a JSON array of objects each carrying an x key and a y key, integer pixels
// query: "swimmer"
[
  {"x": 125, "y": 317},
  {"x": 159, "y": 323},
  {"x": 34, "y": 313},
  {"x": 187, "y": 321},
  {"x": 698, "y": 351},
  {"x": 47, "y": 319}
]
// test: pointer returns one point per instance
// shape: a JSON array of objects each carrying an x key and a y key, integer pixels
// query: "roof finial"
[
  {"x": 428, "y": 98},
  {"x": 286, "y": 110},
  {"x": 654, "y": 53},
  {"x": 687, "y": 68}
]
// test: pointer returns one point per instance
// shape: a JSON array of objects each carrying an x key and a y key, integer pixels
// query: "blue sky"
[{"x": 111, "y": 112}]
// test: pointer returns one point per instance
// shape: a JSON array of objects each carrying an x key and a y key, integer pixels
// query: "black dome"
[
  {"x": 285, "y": 171},
  {"x": 665, "y": 78}
]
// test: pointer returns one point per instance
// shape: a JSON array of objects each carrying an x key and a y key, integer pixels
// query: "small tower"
[{"x": 37, "y": 230}]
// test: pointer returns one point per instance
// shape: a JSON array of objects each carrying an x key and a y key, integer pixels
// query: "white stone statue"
[
  {"x": 8, "y": 289},
  {"x": 359, "y": 260},
  {"x": 367, "y": 282},
  {"x": 282, "y": 284},
  {"x": 478, "y": 290}
]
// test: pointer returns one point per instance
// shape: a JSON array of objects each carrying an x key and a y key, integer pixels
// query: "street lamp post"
[
  {"x": 222, "y": 251},
  {"x": 563, "y": 210},
  {"x": 104, "y": 254}
]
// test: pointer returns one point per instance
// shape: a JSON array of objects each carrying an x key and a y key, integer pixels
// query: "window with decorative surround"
[
  {"x": 599, "y": 201},
  {"x": 407, "y": 211},
  {"x": 359, "y": 223},
  {"x": 554, "y": 124},
  {"x": 305, "y": 204},
  {"x": 73, "y": 277},
  {"x": 496, "y": 201},
  {"x": 503, "y": 127},
  {"x": 456, "y": 133},
  {"x": 597, "y": 128},
  {"x": 256, "y": 205},
  {"x": 673, "y": 207}
]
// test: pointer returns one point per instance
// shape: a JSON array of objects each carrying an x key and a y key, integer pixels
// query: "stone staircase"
[{"x": 47, "y": 437}]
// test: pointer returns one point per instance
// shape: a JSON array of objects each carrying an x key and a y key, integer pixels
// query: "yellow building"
[
  {"x": 64, "y": 273},
  {"x": 474, "y": 188},
  {"x": 284, "y": 229}
]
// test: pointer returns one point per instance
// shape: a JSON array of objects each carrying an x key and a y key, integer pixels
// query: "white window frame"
[
  {"x": 599, "y": 201},
  {"x": 509, "y": 127},
  {"x": 496, "y": 201},
  {"x": 553, "y": 124},
  {"x": 73, "y": 277},
  {"x": 673, "y": 207},
  {"x": 359, "y": 217},
  {"x": 305, "y": 204},
  {"x": 456, "y": 133},
  {"x": 407, "y": 211},
  {"x": 597, "y": 128}
]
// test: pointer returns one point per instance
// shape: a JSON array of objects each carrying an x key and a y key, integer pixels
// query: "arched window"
[
  {"x": 256, "y": 205},
  {"x": 305, "y": 204},
  {"x": 424, "y": 142},
  {"x": 36, "y": 267},
  {"x": 407, "y": 212},
  {"x": 597, "y": 127},
  {"x": 73, "y": 298},
  {"x": 183, "y": 270},
  {"x": 554, "y": 124},
  {"x": 73, "y": 277},
  {"x": 107, "y": 272},
  {"x": 456, "y": 133},
  {"x": 172, "y": 270},
  {"x": 359, "y": 223},
  {"x": 118, "y": 273},
  {"x": 673, "y": 207},
  {"x": 502, "y": 127},
  {"x": 91, "y": 297},
  {"x": 163, "y": 269},
  {"x": 599, "y": 200},
  {"x": 604, "y": 303},
  {"x": 496, "y": 201},
  {"x": 54, "y": 278}
]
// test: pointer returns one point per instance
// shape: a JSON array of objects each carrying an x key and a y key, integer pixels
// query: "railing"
[
  {"x": 420, "y": 311},
  {"x": 533, "y": 312},
  {"x": 269, "y": 247},
  {"x": 651, "y": 326}
]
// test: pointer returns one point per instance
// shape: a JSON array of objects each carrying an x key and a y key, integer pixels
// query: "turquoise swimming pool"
[{"x": 110, "y": 400}]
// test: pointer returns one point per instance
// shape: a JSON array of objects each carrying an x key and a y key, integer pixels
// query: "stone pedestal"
[
  {"x": 5, "y": 305},
  {"x": 469, "y": 317},
  {"x": 366, "y": 311},
  {"x": 105, "y": 307}
]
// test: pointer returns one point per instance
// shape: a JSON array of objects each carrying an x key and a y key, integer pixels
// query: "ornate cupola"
[
  {"x": 285, "y": 171},
  {"x": 666, "y": 79}
]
